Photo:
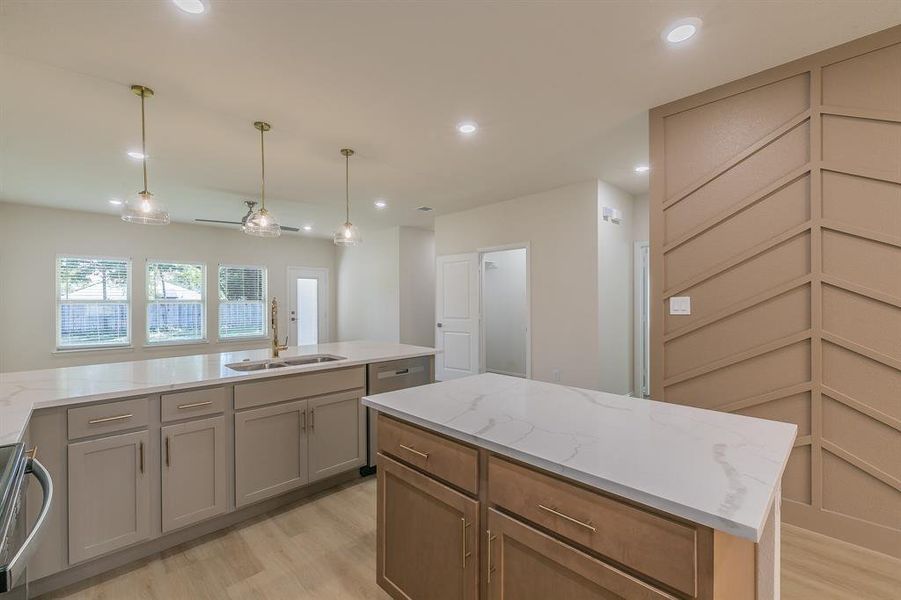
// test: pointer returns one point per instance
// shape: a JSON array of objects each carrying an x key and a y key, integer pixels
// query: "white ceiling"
[{"x": 560, "y": 91}]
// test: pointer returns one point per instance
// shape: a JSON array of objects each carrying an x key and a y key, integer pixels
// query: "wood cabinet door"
[
  {"x": 108, "y": 494},
  {"x": 427, "y": 537},
  {"x": 525, "y": 564},
  {"x": 337, "y": 434},
  {"x": 193, "y": 471},
  {"x": 270, "y": 451}
]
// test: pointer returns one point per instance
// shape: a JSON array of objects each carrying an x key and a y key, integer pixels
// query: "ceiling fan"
[{"x": 250, "y": 205}]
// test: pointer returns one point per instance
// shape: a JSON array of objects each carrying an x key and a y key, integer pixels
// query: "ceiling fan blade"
[
  {"x": 215, "y": 221},
  {"x": 286, "y": 228}
]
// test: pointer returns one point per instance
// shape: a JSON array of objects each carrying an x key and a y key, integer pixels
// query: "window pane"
[
  {"x": 242, "y": 301},
  {"x": 307, "y": 311},
  {"x": 174, "y": 321},
  {"x": 175, "y": 302},
  {"x": 174, "y": 281},
  {"x": 92, "y": 301}
]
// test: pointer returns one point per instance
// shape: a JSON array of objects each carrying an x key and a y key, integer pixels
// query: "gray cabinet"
[
  {"x": 194, "y": 485},
  {"x": 337, "y": 437},
  {"x": 270, "y": 451},
  {"x": 108, "y": 494}
]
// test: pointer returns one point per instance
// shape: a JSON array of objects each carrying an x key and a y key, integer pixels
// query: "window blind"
[
  {"x": 242, "y": 301},
  {"x": 92, "y": 302},
  {"x": 175, "y": 302}
]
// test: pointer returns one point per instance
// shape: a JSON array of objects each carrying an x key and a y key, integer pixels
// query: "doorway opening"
[
  {"x": 642, "y": 294},
  {"x": 308, "y": 305},
  {"x": 505, "y": 311}
]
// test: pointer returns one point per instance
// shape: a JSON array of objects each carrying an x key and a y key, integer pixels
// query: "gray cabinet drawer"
[
  {"x": 97, "y": 419},
  {"x": 295, "y": 387},
  {"x": 193, "y": 403}
]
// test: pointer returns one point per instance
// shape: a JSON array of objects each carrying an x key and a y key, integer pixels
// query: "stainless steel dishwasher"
[{"x": 389, "y": 376}]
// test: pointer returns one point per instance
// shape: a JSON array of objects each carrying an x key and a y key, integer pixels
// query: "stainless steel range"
[{"x": 17, "y": 544}]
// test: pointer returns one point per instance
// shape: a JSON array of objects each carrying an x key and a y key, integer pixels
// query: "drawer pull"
[
  {"x": 424, "y": 455},
  {"x": 466, "y": 554},
  {"x": 110, "y": 419},
  {"x": 557, "y": 513},
  {"x": 194, "y": 405}
]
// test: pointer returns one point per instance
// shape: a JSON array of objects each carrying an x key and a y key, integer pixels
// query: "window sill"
[
  {"x": 165, "y": 344},
  {"x": 235, "y": 340},
  {"x": 92, "y": 349}
]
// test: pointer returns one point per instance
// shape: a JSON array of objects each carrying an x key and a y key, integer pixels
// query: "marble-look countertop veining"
[
  {"x": 24, "y": 391},
  {"x": 717, "y": 469}
]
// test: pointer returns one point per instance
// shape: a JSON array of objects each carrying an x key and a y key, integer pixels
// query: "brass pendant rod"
[
  {"x": 262, "y": 172},
  {"x": 143, "y": 142},
  {"x": 347, "y": 188}
]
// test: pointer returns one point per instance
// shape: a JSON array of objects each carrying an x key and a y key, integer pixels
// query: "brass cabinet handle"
[
  {"x": 168, "y": 460},
  {"x": 424, "y": 455},
  {"x": 491, "y": 538},
  {"x": 303, "y": 421},
  {"x": 312, "y": 419},
  {"x": 465, "y": 554},
  {"x": 109, "y": 419},
  {"x": 194, "y": 405},
  {"x": 141, "y": 452},
  {"x": 586, "y": 525}
]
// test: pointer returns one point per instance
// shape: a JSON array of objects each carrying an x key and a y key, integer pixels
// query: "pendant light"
[
  {"x": 347, "y": 234},
  {"x": 144, "y": 208},
  {"x": 261, "y": 223}
]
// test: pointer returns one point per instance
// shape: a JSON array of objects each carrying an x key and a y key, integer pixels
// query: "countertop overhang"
[
  {"x": 717, "y": 469},
  {"x": 25, "y": 391}
]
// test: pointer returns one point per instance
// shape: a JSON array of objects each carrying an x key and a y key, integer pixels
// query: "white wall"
[
  {"x": 641, "y": 215},
  {"x": 32, "y": 237},
  {"x": 386, "y": 287},
  {"x": 505, "y": 311},
  {"x": 417, "y": 286},
  {"x": 561, "y": 227},
  {"x": 615, "y": 310}
]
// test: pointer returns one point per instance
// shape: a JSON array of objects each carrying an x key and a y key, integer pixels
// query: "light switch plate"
[{"x": 680, "y": 305}]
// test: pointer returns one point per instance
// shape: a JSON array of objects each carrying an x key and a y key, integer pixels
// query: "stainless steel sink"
[{"x": 278, "y": 363}]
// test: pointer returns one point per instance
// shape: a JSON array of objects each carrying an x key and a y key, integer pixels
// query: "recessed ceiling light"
[
  {"x": 467, "y": 127},
  {"x": 682, "y": 30},
  {"x": 194, "y": 7},
  {"x": 380, "y": 204},
  {"x": 115, "y": 201},
  {"x": 136, "y": 155},
  {"x": 308, "y": 228},
  {"x": 642, "y": 169}
]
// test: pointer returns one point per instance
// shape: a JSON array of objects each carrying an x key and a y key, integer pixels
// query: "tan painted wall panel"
[
  {"x": 862, "y": 144},
  {"x": 874, "y": 384},
  {"x": 772, "y": 320},
  {"x": 860, "y": 202},
  {"x": 781, "y": 157},
  {"x": 850, "y": 491},
  {"x": 702, "y": 138},
  {"x": 781, "y": 264},
  {"x": 873, "y": 442},
  {"x": 865, "y": 262},
  {"x": 791, "y": 409},
  {"x": 796, "y": 480},
  {"x": 862, "y": 320},
  {"x": 861, "y": 82},
  {"x": 763, "y": 221},
  {"x": 784, "y": 367}
]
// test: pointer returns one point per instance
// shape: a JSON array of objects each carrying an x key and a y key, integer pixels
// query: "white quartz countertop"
[
  {"x": 24, "y": 391},
  {"x": 717, "y": 469}
]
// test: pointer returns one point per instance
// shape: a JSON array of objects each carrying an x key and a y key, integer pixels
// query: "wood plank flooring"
[{"x": 324, "y": 548}]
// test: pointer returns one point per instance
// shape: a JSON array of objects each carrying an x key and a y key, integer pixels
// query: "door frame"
[
  {"x": 322, "y": 274},
  {"x": 482, "y": 252},
  {"x": 640, "y": 349}
]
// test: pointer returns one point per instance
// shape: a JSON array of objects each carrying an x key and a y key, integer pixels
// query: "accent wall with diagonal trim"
[{"x": 776, "y": 207}]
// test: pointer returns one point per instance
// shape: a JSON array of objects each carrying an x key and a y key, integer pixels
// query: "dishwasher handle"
[
  {"x": 29, "y": 546},
  {"x": 400, "y": 372}
]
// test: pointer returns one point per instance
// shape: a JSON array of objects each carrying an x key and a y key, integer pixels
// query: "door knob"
[{"x": 439, "y": 325}]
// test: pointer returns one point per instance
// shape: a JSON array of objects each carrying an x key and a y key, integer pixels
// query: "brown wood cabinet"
[
  {"x": 193, "y": 472},
  {"x": 108, "y": 494},
  {"x": 428, "y": 537}
]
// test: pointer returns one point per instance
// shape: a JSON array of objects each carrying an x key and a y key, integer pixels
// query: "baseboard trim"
[{"x": 143, "y": 550}]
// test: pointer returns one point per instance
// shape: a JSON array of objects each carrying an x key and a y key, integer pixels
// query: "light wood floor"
[{"x": 324, "y": 548}]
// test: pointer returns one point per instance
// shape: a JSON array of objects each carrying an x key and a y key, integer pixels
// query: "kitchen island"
[
  {"x": 148, "y": 454},
  {"x": 499, "y": 487}
]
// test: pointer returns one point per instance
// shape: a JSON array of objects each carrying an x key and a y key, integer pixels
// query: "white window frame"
[
  {"x": 219, "y": 303},
  {"x": 57, "y": 301},
  {"x": 203, "y": 339}
]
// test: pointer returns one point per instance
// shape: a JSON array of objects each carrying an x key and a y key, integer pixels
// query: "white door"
[
  {"x": 457, "y": 315},
  {"x": 307, "y": 306}
]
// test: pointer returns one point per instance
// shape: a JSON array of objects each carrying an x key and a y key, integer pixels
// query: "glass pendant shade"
[
  {"x": 145, "y": 209},
  {"x": 262, "y": 224},
  {"x": 347, "y": 235}
]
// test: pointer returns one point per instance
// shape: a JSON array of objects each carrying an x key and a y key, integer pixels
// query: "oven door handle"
[{"x": 20, "y": 560}]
